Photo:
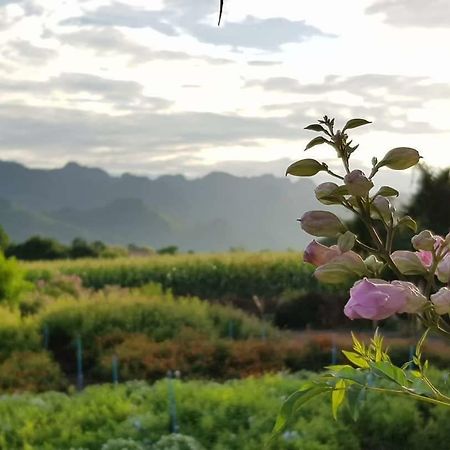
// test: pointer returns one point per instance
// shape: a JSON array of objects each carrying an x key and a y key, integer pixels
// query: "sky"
[{"x": 155, "y": 87}]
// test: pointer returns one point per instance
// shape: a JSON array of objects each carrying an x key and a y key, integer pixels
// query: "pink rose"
[
  {"x": 374, "y": 300},
  {"x": 318, "y": 254}
]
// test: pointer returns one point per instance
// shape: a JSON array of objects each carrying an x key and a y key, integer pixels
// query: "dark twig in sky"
[{"x": 221, "y": 11}]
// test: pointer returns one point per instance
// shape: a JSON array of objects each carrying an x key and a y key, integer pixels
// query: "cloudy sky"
[{"x": 154, "y": 86}]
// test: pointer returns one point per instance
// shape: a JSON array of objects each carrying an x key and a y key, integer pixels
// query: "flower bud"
[
  {"x": 441, "y": 301},
  {"x": 305, "y": 168},
  {"x": 415, "y": 300},
  {"x": 425, "y": 240},
  {"x": 346, "y": 241},
  {"x": 325, "y": 193},
  {"x": 318, "y": 254},
  {"x": 400, "y": 158},
  {"x": 381, "y": 208},
  {"x": 321, "y": 224},
  {"x": 408, "y": 263},
  {"x": 373, "y": 264},
  {"x": 443, "y": 269},
  {"x": 357, "y": 183},
  {"x": 341, "y": 269}
]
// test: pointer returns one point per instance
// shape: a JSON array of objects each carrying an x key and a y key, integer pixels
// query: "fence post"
[
  {"x": 46, "y": 333},
  {"x": 333, "y": 351},
  {"x": 115, "y": 369},
  {"x": 80, "y": 376},
  {"x": 173, "y": 426},
  {"x": 231, "y": 329}
]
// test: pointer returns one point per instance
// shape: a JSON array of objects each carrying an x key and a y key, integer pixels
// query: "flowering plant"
[{"x": 386, "y": 282}]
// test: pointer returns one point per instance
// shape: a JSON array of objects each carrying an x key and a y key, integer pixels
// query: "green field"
[{"x": 237, "y": 415}]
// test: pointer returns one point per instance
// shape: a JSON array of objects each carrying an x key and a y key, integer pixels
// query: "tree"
[
  {"x": 4, "y": 239},
  {"x": 36, "y": 248},
  {"x": 430, "y": 204}
]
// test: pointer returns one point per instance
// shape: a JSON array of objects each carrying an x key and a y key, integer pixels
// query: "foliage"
[
  {"x": 38, "y": 248},
  {"x": 4, "y": 239},
  {"x": 233, "y": 277},
  {"x": 236, "y": 415},
  {"x": 386, "y": 282},
  {"x": 426, "y": 205},
  {"x": 12, "y": 281},
  {"x": 28, "y": 371}
]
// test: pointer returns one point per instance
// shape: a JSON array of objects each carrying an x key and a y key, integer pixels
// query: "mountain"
[{"x": 212, "y": 213}]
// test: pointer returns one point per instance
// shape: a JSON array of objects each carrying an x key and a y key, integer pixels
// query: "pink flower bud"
[
  {"x": 318, "y": 254},
  {"x": 441, "y": 301},
  {"x": 341, "y": 269},
  {"x": 408, "y": 263},
  {"x": 426, "y": 258},
  {"x": 357, "y": 183},
  {"x": 374, "y": 300},
  {"x": 321, "y": 224},
  {"x": 325, "y": 193},
  {"x": 443, "y": 269},
  {"x": 425, "y": 240},
  {"x": 415, "y": 300}
]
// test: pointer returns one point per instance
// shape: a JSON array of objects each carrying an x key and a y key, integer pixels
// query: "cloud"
[
  {"x": 184, "y": 16},
  {"x": 54, "y": 132},
  {"x": 252, "y": 32},
  {"x": 123, "y": 15},
  {"x": 20, "y": 51},
  {"x": 387, "y": 99},
  {"x": 419, "y": 13},
  {"x": 375, "y": 87},
  {"x": 110, "y": 41},
  {"x": 122, "y": 94}
]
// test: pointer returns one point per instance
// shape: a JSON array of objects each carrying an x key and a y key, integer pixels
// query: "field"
[
  {"x": 86, "y": 351},
  {"x": 237, "y": 415}
]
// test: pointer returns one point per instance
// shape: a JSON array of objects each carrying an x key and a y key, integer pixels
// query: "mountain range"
[{"x": 212, "y": 213}]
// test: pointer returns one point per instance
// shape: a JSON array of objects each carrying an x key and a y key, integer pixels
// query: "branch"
[{"x": 220, "y": 12}]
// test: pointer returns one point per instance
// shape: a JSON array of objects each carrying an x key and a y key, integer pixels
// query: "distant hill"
[{"x": 212, "y": 213}]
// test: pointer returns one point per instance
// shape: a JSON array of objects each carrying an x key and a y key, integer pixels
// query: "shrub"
[
  {"x": 12, "y": 281},
  {"x": 28, "y": 371},
  {"x": 177, "y": 442},
  {"x": 122, "y": 444},
  {"x": 38, "y": 248}
]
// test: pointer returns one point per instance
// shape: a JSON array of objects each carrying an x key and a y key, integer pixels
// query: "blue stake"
[
  {"x": 411, "y": 352},
  {"x": 231, "y": 329},
  {"x": 46, "y": 336},
  {"x": 333, "y": 353},
  {"x": 115, "y": 369},
  {"x": 263, "y": 332},
  {"x": 80, "y": 377},
  {"x": 174, "y": 428}
]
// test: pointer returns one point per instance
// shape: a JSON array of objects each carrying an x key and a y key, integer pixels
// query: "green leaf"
[
  {"x": 419, "y": 346},
  {"x": 346, "y": 241},
  {"x": 351, "y": 374},
  {"x": 354, "y": 123},
  {"x": 387, "y": 191},
  {"x": 294, "y": 402},
  {"x": 341, "y": 190},
  {"x": 356, "y": 359},
  {"x": 356, "y": 395},
  {"x": 305, "y": 168},
  {"x": 316, "y": 141},
  {"x": 408, "y": 222},
  {"x": 316, "y": 127},
  {"x": 390, "y": 372},
  {"x": 338, "y": 397}
]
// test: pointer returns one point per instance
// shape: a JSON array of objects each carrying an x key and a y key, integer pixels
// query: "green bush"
[
  {"x": 28, "y": 371},
  {"x": 237, "y": 415},
  {"x": 177, "y": 442},
  {"x": 12, "y": 281}
]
